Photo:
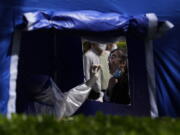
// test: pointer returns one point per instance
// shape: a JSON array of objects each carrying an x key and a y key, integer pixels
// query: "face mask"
[
  {"x": 117, "y": 73},
  {"x": 102, "y": 46}
]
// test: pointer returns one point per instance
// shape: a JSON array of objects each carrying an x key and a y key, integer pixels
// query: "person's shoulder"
[
  {"x": 107, "y": 52},
  {"x": 89, "y": 53}
]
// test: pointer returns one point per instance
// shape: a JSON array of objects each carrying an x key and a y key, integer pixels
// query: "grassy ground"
[{"x": 82, "y": 125}]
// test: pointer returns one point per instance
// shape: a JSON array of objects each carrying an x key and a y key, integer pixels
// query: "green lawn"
[{"x": 82, "y": 125}]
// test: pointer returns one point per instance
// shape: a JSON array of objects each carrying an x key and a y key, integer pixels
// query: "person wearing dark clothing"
[{"x": 118, "y": 90}]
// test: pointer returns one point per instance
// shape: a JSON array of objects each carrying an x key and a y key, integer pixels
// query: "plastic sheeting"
[{"x": 53, "y": 101}]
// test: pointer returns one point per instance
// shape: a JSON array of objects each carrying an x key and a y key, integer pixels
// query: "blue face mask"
[{"x": 117, "y": 73}]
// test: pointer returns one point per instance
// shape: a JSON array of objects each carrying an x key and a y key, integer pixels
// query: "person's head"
[
  {"x": 86, "y": 46},
  {"x": 110, "y": 47},
  {"x": 99, "y": 48},
  {"x": 117, "y": 60}
]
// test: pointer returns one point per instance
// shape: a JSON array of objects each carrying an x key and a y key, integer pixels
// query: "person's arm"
[
  {"x": 112, "y": 82},
  {"x": 94, "y": 75},
  {"x": 67, "y": 103}
]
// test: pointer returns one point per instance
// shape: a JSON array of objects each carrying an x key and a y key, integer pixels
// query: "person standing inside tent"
[
  {"x": 118, "y": 90},
  {"x": 110, "y": 47},
  {"x": 97, "y": 55}
]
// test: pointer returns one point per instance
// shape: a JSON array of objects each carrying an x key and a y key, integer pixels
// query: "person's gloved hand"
[
  {"x": 94, "y": 75},
  {"x": 95, "y": 70}
]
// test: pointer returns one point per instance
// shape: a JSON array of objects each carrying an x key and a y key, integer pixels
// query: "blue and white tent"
[{"x": 150, "y": 27}]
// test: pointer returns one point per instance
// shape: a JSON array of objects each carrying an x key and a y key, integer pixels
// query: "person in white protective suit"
[{"x": 47, "y": 99}]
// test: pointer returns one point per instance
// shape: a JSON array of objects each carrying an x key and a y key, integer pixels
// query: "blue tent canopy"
[
  {"x": 102, "y": 27},
  {"x": 166, "y": 49}
]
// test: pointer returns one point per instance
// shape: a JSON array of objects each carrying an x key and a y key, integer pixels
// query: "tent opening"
[{"x": 53, "y": 54}]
